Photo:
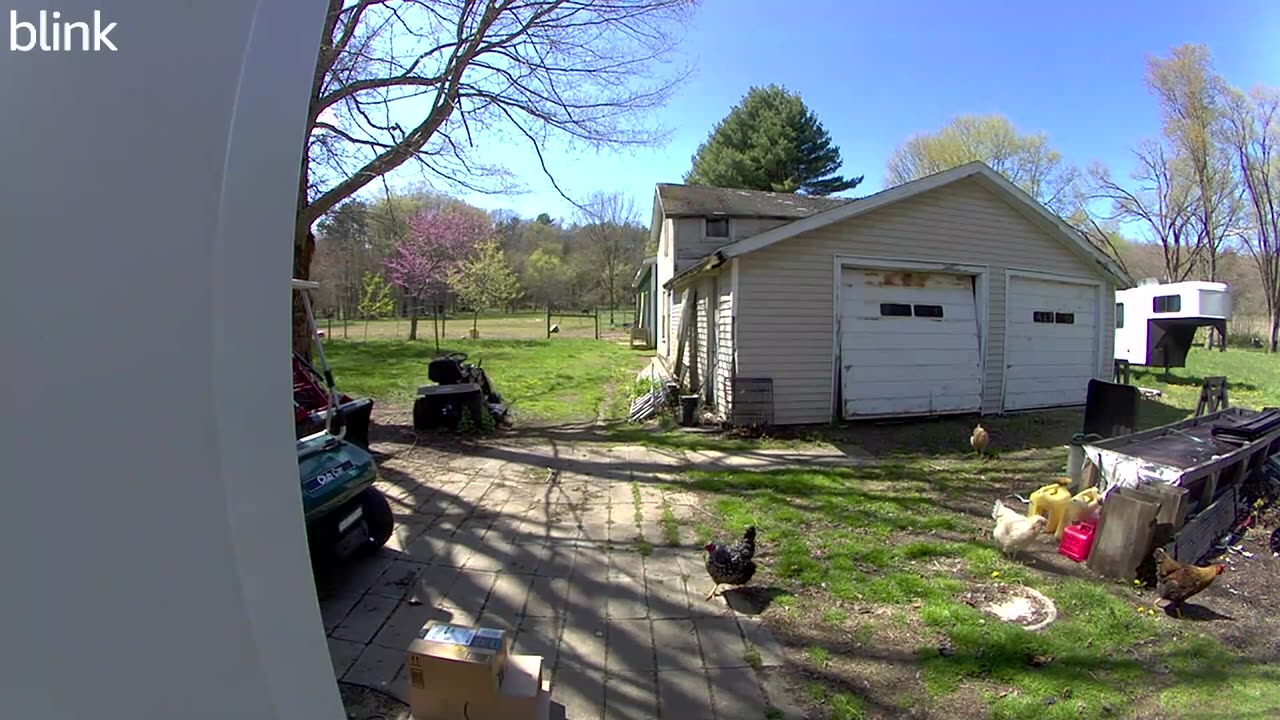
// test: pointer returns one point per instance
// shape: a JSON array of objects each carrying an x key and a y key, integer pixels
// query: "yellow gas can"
[
  {"x": 1082, "y": 505},
  {"x": 1051, "y": 501}
]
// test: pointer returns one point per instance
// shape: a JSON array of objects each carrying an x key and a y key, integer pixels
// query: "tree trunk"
[
  {"x": 475, "y": 321},
  {"x": 435, "y": 325},
  {"x": 304, "y": 248},
  {"x": 413, "y": 321},
  {"x": 1275, "y": 329}
]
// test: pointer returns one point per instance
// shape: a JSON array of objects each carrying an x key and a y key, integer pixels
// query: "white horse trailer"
[{"x": 1156, "y": 323}]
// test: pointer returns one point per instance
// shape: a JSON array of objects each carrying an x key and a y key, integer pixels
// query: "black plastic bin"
[{"x": 689, "y": 410}]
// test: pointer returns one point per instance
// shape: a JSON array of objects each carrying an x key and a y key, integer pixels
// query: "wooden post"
[
  {"x": 597, "y": 323},
  {"x": 548, "y": 321}
]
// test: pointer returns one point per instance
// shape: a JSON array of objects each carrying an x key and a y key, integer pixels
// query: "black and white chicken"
[{"x": 731, "y": 564}]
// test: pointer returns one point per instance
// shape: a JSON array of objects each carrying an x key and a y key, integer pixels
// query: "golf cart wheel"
[{"x": 377, "y": 517}]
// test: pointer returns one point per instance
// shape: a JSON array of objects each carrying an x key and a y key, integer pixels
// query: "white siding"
[
  {"x": 664, "y": 269},
  {"x": 692, "y": 244},
  {"x": 786, "y": 292},
  {"x": 724, "y": 330},
  {"x": 677, "y": 309}
]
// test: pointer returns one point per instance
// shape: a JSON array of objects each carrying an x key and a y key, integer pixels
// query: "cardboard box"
[
  {"x": 521, "y": 688},
  {"x": 452, "y": 666}
]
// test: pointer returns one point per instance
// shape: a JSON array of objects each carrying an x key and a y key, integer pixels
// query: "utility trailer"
[{"x": 1156, "y": 323}]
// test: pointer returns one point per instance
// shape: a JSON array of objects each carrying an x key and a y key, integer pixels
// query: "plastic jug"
[
  {"x": 1082, "y": 508},
  {"x": 1077, "y": 541},
  {"x": 1051, "y": 501}
]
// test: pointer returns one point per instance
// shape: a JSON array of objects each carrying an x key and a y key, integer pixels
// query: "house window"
[
  {"x": 928, "y": 311},
  {"x": 1064, "y": 318},
  {"x": 1119, "y": 315},
  {"x": 717, "y": 227},
  {"x": 1166, "y": 303},
  {"x": 1042, "y": 316},
  {"x": 895, "y": 310}
]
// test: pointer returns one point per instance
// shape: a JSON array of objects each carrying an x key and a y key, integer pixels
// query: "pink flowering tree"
[{"x": 437, "y": 241}]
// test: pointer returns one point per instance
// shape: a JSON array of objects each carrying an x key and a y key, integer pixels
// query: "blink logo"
[{"x": 51, "y": 33}]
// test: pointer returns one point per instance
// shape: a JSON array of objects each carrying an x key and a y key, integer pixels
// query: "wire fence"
[{"x": 524, "y": 325}]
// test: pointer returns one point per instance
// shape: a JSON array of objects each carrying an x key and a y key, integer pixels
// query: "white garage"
[
  {"x": 1052, "y": 341},
  {"x": 909, "y": 342},
  {"x": 953, "y": 294}
]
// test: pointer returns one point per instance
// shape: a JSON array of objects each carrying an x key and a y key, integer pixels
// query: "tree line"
[{"x": 438, "y": 255}]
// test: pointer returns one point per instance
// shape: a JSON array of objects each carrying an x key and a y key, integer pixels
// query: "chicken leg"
[{"x": 714, "y": 591}]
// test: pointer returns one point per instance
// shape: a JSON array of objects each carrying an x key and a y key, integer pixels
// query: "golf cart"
[{"x": 344, "y": 513}]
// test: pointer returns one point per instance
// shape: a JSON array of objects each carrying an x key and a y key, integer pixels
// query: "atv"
[{"x": 345, "y": 513}]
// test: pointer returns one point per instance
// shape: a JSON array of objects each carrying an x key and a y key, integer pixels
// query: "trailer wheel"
[{"x": 378, "y": 518}]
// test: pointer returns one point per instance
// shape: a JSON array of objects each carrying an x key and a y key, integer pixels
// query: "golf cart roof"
[{"x": 305, "y": 284}]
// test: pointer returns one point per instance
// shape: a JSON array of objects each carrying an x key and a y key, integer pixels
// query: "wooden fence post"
[
  {"x": 548, "y": 321},
  {"x": 597, "y": 323}
]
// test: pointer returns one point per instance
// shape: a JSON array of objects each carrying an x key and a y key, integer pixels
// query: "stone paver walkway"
[{"x": 550, "y": 544}]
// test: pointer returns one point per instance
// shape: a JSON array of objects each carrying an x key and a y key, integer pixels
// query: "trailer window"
[
  {"x": 928, "y": 311},
  {"x": 1166, "y": 303},
  {"x": 1042, "y": 316},
  {"x": 895, "y": 310},
  {"x": 1119, "y": 315}
]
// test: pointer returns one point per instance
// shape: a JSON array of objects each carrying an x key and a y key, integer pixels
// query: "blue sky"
[{"x": 877, "y": 72}]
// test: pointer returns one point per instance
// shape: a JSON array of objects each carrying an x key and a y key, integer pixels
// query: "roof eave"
[{"x": 688, "y": 275}]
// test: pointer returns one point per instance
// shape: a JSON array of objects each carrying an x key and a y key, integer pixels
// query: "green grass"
[
  {"x": 910, "y": 533},
  {"x": 561, "y": 380},
  {"x": 670, "y": 526},
  {"x": 843, "y": 537},
  {"x": 1253, "y": 377}
]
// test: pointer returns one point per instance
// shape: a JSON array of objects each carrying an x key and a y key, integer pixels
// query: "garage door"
[
  {"x": 908, "y": 343},
  {"x": 1051, "y": 348}
]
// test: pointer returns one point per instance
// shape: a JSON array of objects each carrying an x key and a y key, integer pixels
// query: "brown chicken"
[
  {"x": 1177, "y": 581},
  {"x": 980, "y": 439}
]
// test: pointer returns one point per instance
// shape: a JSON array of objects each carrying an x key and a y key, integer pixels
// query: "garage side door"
[
  {"x": 908, "y": 343},
  {"x": 1052, "y": 343}
]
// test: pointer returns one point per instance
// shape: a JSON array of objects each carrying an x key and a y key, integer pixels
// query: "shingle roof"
[{"x": 699, "y": 200}]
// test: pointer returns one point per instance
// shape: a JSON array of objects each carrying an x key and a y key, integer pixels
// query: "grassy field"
[
  {"x": 870, "y": 567},
  {"x": 491, "y": 326},
  {"x": 562, "y": 380}
]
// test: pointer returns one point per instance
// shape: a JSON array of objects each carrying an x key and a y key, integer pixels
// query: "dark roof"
[{"x": 701, "y": 200}]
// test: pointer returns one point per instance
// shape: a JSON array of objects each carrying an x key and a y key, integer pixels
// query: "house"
[
  {"x": 645, "y": 288},
  {"x": 954, "y": 293}
]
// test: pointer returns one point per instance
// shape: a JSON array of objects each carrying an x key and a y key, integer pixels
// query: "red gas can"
[{"x": 1077, "y": 540}]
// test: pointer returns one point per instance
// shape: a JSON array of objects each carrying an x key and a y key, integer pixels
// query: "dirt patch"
[{"x": 1013, "y": 604}]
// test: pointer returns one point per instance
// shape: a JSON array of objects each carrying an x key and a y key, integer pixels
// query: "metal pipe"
[{"x": 324, "y": 364}]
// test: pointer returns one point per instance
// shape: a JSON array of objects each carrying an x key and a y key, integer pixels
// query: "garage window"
[
  {"x": 895, "y": 310},
  {"x": 1051, "y": 318},
  {"x": 928, "y": 311},
  {"x": 1166, "y": 303},
  {"x": 1119, "y": 315},
  {"x": 717, "y": 227}
]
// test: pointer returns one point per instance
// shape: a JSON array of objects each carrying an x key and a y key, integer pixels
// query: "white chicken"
[{"x": 1014, "y": 531}]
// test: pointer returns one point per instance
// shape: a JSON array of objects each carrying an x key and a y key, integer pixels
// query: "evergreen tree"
[{"x": 770, "y": 141}]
